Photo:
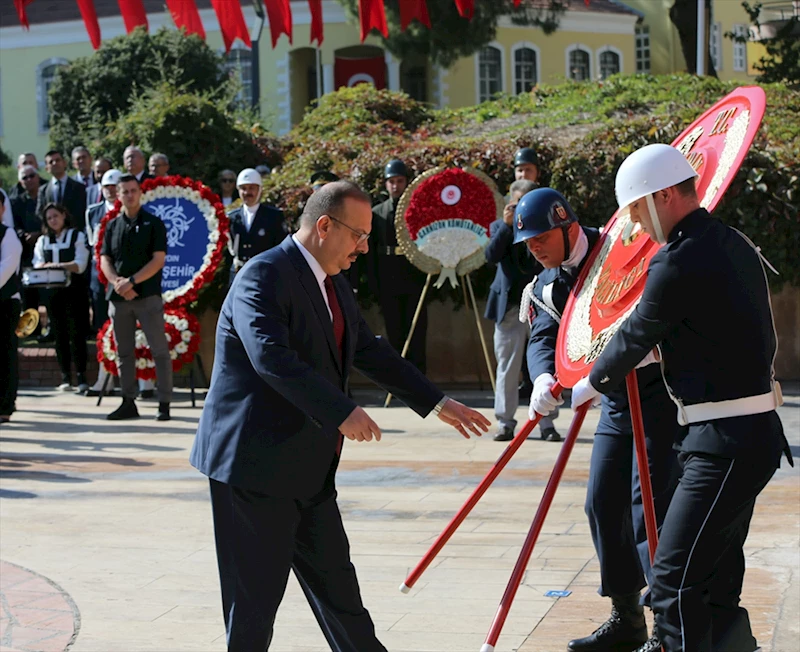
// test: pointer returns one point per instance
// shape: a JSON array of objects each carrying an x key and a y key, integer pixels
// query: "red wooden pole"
[
  {"x": 535, "y": 530},
  {"x": 476, "y": 495}
]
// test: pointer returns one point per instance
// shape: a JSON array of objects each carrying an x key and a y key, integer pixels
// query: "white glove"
[
  {"x": 542, "y": 400},
  {"x": 583, "y": 392},
  {"x": 651, "y": 358}
]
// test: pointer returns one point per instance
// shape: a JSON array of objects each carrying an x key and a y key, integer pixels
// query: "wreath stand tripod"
[
  {"x": 421, "y": 302},
  {"x": 544, "y": 505}
]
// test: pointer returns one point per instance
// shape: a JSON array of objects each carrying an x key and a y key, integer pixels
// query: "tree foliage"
[
  {"x": 93, "y": 91},
  {"x": 456, "y": 37}
]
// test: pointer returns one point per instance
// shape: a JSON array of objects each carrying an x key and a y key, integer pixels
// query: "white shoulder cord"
[{"x": 529, "y": 297}]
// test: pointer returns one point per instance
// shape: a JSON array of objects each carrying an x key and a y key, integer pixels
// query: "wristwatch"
[
  {"x": 132, "y": 280},
  {"x": 440, "y": 405}
]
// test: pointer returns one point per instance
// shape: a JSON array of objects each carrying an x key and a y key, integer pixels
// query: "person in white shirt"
[{"x": 64, "y": 248}]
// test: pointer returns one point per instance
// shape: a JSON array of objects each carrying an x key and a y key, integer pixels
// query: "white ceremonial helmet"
[
  {"x": 248, "y": 175},
  {"x": 648, "y": 170},
  {"x": 111, "y": 178}
]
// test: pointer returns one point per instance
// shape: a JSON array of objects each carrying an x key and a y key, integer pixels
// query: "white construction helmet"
[
  {"x": 648, "y": 170},
  {"x": 111, "y": 178},
  {"x": 248, "y": 175}
]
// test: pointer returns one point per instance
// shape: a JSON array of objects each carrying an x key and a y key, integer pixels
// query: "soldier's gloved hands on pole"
[
  {"x": 542, "y": 400},
  {"x": 584, "y": 391},
  {"x": 651, "y": 358}
]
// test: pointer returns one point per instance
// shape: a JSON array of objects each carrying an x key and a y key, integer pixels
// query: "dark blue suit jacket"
[
  {"x": 515, "y": 269},
  {"x": 278, "y": 387}
]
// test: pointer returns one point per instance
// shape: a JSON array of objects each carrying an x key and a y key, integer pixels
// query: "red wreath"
[
  {"x": 106, "y": 339},
  {"x": 206, "y": 273}
]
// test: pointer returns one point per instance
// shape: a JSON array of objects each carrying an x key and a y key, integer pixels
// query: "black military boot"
[
  {"x": 624, "y": 631},
  {"x": 125, "y": 411},
  {"x": 653, "y": 644}
]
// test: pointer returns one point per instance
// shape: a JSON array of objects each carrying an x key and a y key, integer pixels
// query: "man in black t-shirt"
[{"x": 132, "y": 257}]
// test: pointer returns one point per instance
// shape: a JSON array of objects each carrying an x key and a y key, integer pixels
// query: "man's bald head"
[{"x": 329, "y": 200}]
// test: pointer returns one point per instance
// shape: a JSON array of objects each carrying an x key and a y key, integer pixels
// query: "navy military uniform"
[
  {"x": 397, "y": 284},
  {"x": 97, "y": 291},
  {"x": 614, "y": 504},
  {"x": 10, "y": 256},
  {"x": 267, "y": 230},
  {"x": 706, "y": 302}
]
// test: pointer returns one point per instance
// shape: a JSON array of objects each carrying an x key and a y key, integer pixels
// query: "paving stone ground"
[{"x": 106, "y": 538}]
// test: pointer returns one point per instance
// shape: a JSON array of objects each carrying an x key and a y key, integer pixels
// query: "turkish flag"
[
  {"x": 133, "y": 14},
  {"x": 90, "y": 20},
  {"x": 466, "y": 8},
  {"x": 231, "y": 22},
  {"x": 411, "y": 9},
  {"x": 315, "y": 7},
  {"x": 186, "y": 17},
  {"x": 280, "y": 19},
  {"x": 349, "y": 72},
  {"x": 21, "y": 13},
  {"x": 372, "y": 15}
]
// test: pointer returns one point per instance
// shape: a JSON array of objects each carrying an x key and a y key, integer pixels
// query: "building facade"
[{"x": 593, "y": 42}]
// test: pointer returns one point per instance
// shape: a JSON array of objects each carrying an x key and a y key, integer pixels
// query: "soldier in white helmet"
[
  {"x": 706, "y": 305},
  {"x": 255, "y": 227}
]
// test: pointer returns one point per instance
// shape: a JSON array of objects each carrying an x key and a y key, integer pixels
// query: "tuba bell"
[{"x": 28, "y": 321}]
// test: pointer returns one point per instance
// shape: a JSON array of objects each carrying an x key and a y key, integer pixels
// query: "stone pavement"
[{"x": 105, "y": 536}]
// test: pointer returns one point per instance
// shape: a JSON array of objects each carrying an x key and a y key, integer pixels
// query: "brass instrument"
[{"x": 28, "y": 321}]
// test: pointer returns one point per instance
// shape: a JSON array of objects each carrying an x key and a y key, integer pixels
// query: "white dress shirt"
[
  {"x": 10, "y": 254},
  {"x": 58, "y": 191},
  {"x": 62, "y": 242},
  {"x": 8, "y": 215},
  {"x": 249, "y": 215},
  {"x": 319, "y": 273}
]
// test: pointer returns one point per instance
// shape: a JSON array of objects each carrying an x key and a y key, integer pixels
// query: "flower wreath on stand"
[{"x": 181, "y": 327}]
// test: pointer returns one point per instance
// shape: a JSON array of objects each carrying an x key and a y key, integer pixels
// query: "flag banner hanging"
[
  {"x": 371, "y": 15},
  {"x": 90, "y": 20},
  {"x": 231, "y": 22},
  {"x": 186, "y": 17},
  {"x": 349, "y": 72},
  {"x": 412, "y": 9},
  {"x": 133, "y": 14},
  {"x": 280, "y": 19},
  {"x": 315, "y": 7}
]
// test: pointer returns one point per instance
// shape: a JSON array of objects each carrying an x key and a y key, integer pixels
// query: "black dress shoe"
[
  {"x": 163, "y": 412},
  {"x": 549, "y": 434},
  {"x": 624, "y": 631},
  {"x": 125, "y": 411},
  {"x": 504, "y": 434}
]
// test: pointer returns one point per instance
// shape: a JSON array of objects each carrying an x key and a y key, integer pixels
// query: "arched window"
[
  {"x": 45, "y": 76},
  {"x": 526, "y": 67},
  {"x": 579, "y": 63},
  {"x": 490, "y": 72},
  {"x": 610, "y": 62},
  {"x": 239, "y": 63}
]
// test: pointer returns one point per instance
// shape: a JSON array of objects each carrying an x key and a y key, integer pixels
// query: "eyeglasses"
[
  {"x": 28, "y": 176},
  {"x": 362, "y": 237}
]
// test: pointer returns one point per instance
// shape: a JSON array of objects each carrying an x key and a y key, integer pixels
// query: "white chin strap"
[{"x": 651, "y": 206}]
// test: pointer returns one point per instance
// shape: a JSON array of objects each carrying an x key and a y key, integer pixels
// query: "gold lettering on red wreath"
[
  {"x": 721, "y": 123},
  {"x": 695, "y": 160},
  {"x": 608, "y": 290}
]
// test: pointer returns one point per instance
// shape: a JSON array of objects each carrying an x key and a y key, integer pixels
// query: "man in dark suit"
[
  {"x": 62, "y": 190},
  {"x": 515, "y": 269},
  {"x": 255, "y": 227},
  {"x": 395, "y": 282},
  {"x": 135, "y": 162},
  {"x": 277, "y": 412}
]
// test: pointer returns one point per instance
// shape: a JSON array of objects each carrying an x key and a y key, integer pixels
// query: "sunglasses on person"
[
  {"x": 362, "y": 237},
  {"x": 225, "y": 180},
  {"x": 28, "y": 176}
]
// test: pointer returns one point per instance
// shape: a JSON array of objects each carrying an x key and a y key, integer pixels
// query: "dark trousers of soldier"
[
  {"x": 615, "y": 510},
  {"x": 9, "y": 365},
  {"x": 398, "y": 312},
  {"x": 68, "y": 312},
  {"x": 699, "y": 565}
]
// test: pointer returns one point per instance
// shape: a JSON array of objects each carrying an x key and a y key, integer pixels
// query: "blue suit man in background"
[{"x": 277, "y": 412}]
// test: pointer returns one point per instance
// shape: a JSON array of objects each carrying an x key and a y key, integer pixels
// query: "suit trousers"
[
  {"x": 9, "y": 363},
  {"x": 510, "y": 339},
  {"x": 259, "y": 539},
  {"x": 69, "y": 308},
  {"x": 149, "y": 311},
  {"x": 615, "y": 510},
  {"x": 398, "y": 313},
  {"x": 699, "y": 565}
]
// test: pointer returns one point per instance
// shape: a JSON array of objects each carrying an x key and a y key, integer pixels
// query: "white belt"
[{"x": 738, "y": 407}]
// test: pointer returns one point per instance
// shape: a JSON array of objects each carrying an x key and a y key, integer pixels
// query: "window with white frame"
[
  {"x": 239, "y": 63},
  {"x": 579, "y": 64},
  {"x": 715, "y": 45},
  {"x": 610, "y": 63},
  {"x": 740, "y": 48},
  {"x": 643, "y": 49},
  {"x": 45, "y": 76},
  {"x": 525, "y": 77},
  {"x": 490, "y": 73}
]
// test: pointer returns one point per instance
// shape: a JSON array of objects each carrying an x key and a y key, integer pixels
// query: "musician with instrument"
[
  {"x": 10, "y": 255},
  {"x": 63, "y": 250}
]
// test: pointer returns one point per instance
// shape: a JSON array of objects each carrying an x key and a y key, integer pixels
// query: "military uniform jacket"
[
  {"x": 706, "y": 302},
  {"x": 267, "y": 230},
  {"x": 544, "y": 301},
  {"x": 390, "y": 273}
]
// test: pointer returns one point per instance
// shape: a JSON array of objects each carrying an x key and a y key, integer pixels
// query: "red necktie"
[{"x": 338, "y": 334}]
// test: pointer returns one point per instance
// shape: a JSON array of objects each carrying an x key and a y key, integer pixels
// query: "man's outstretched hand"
[{"x": 464, "y": 419}]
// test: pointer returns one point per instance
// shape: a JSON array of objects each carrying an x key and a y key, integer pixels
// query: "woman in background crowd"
[
  {"x": 63, "y": 247},
  {"x": 227, "y": 187}
]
